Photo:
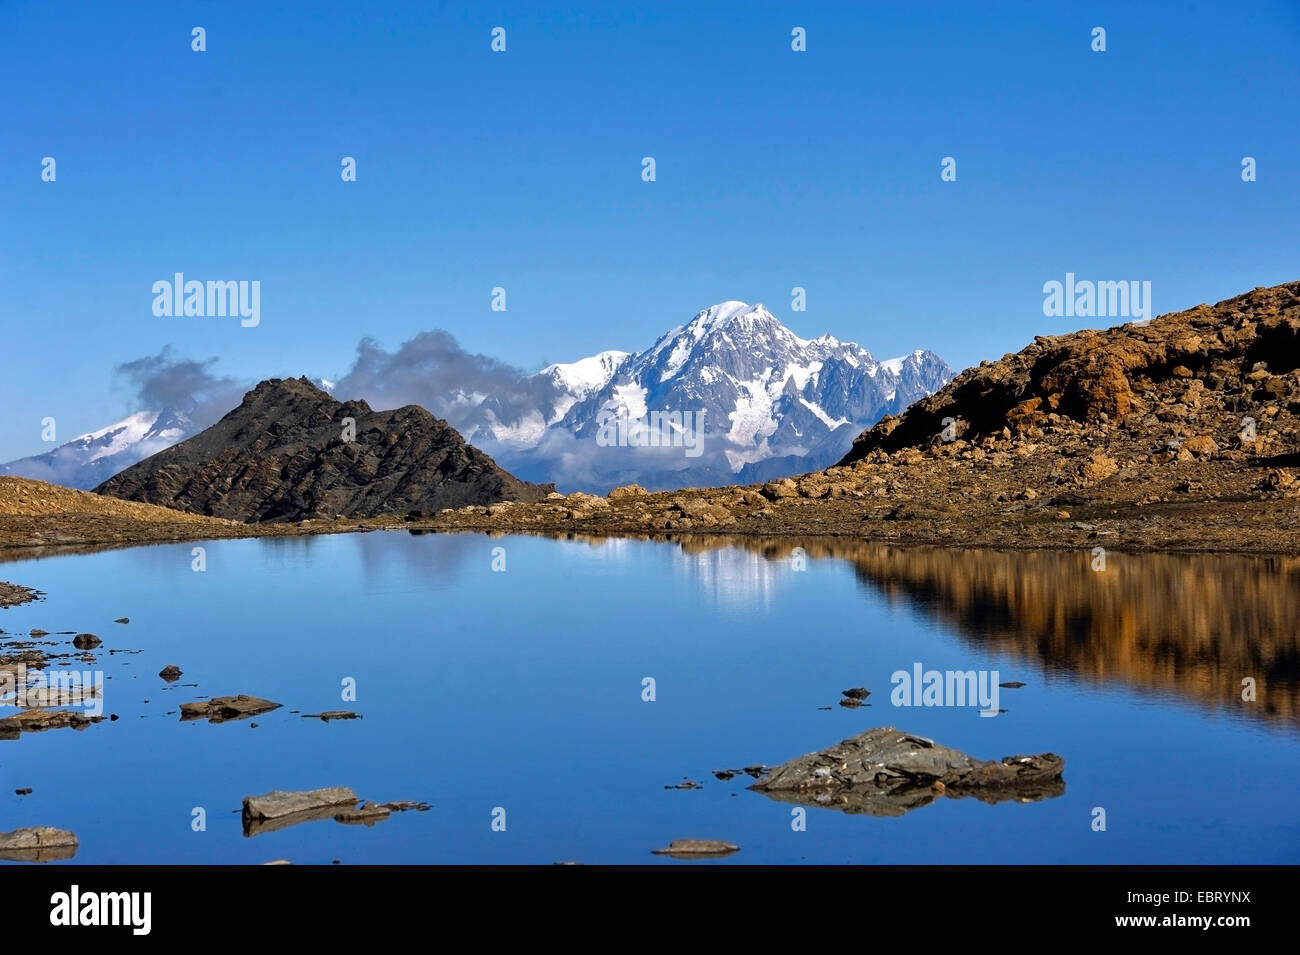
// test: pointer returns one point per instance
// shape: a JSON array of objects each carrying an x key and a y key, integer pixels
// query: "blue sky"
[{"x": 522, "y": 169}]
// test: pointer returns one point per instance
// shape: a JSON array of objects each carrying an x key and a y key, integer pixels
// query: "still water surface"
[{"x": 522, "y": 690}]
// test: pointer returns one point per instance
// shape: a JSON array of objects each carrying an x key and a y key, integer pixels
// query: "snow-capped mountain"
[
  {"x": 90, "y": 459},
  {"x": 519, "y": 419},
  {"x": 772, "y": 403},
  {"x": 581, "y": 379},
  {"x": 764, "y": 391}
]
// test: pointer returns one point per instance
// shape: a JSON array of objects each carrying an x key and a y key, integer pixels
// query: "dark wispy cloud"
[
  {"x": 169, "y": 381},
  {"x": 432, "y": 370}
]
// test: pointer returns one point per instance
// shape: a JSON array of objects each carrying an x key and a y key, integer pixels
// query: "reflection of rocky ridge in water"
[
  {"x": 1190, "y": 625},
  {"x": 1195, "y": 626}
]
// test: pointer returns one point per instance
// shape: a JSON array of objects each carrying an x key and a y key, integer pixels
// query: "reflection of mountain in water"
[
  {"x": 1194, "y": 626},
  {"x": 734, "y": 578}
]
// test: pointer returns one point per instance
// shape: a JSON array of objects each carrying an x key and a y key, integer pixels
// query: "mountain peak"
[
  {"x": 285, "y": 454},
  {"x": 731, "y": 313},
  {"x": 580, "y": 378}
]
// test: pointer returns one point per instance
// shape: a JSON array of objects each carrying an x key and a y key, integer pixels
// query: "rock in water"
[
  {"x": 37, "y": 720},
  {"x": 279, "y": 809},
  {"x": 331, "y": 715},
  {"x": 222, "y": 708},
  {"x": 367, "y": 814},
  {"x": 291, "y": 452},
  {"x": 171, "y": 673},
  {"x": 86, "y": 641},
  {"x": 885, "y": 772},
  {"x": 692, "y": 848},
  {"x": 37, "y": 844}
]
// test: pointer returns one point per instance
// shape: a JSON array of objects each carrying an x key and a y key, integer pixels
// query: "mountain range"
[{"x": 771, "y": 404}]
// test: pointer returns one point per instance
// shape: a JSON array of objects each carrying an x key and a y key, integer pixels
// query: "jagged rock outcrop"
[{"x": 287, "y": 453}]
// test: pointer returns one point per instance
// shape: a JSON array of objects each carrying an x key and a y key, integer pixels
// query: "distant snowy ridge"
[{"x": 92, "y": 458}]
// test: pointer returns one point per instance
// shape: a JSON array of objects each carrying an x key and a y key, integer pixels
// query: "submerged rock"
[
  {"x": 37, "y": 844},
  {"x": 886, "y": 772},
  {"x": 219, "y": 709},
  {"x": 367, "y": 813},
  {"x": 332, "y": 715},
  {"x": 406, "y": 805},
  {"x": 694, "y": 848}
]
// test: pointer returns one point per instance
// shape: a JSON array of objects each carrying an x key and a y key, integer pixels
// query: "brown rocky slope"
[{"x": 1186, "y": 381}]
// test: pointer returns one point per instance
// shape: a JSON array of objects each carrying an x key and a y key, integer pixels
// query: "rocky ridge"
[{"x": 290, "y": 452}]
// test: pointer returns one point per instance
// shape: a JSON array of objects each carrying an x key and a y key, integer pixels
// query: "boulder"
[
  {"x": 1099, "y": 466},
  {"x": 626, "y": 491},
  {"x": 886, "y": 772}
]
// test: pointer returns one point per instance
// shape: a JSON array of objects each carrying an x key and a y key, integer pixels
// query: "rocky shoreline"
[{"x": 903, "y": 503}]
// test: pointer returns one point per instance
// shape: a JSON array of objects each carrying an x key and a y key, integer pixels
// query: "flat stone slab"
[
  {"x": 280, "y": 809},
  {"x": 280, "y": 802},
  {"x": 697, "y": 848},
  {"x": 219, "y": 709},
  {"x": 886, "y": 772},
  {"x": 37, "y": 844}
]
